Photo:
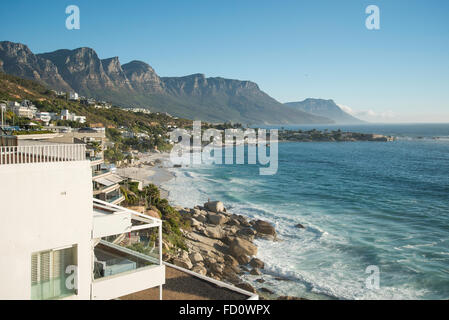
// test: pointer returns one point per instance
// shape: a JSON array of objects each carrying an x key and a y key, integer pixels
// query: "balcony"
[
  {"x": 42, "y": 153},
  {"x": 127, "y": 251},
  {"x": 95, "y": 160},
  {"x": 113, "y": 259},
  {"x": 104, "y": 189},
  {"x": 116, "y": 199},
  {"x": 110, "y": 194},
  {"x": 99, "y": 173}
]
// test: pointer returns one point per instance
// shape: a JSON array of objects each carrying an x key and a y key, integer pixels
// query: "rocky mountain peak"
[{"x": 142, "y": 76}]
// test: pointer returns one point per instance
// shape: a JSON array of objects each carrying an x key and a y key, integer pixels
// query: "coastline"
[{"x": 221, "y": 244}]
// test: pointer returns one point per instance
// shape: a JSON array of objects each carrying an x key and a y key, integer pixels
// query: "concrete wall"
[
  {"x": 43, "y": 206},
  {"x": 127, "y": 283},
  {"x": 112, "y": 224}
]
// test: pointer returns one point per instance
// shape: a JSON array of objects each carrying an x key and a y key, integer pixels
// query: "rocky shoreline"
[{"x": 221, "y": 246}]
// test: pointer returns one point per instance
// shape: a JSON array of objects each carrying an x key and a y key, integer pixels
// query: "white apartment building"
[
  {"x": 24, "y": 109},
  {"x": 60, "y": 243},
  {"x": 73, "y": 96},
  {"x": 24, "y": 112},
  {"x": 66, "y": 115}
]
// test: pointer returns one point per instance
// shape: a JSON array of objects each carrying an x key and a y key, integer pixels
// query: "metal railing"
[{"x": 42, "y": 153}]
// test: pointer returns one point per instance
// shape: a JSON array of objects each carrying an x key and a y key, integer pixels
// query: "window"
[{"x": 53, "y": 273}]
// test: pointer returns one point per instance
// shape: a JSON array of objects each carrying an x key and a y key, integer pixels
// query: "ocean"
[{"x": 363, "y": 204}]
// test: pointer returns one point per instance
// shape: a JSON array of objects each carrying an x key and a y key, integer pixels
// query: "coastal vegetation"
[{"x": 150, "y": 199}]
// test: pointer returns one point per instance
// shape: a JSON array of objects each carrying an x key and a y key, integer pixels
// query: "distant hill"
[
  {"x": 137, "y": 84},
  {"x": 325, "y": 108}
]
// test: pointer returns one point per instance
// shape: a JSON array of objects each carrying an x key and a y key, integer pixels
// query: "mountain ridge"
[
  {"x": 326, "y": 107},
  {"x": 137, "y": 84}
]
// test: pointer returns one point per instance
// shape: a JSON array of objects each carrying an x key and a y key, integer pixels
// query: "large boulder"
[
  {"x": 233, "y": 221},
  {"x": 217, "y": 219},
  {"x": 215, "y": 206},
  {"x": 243, "y": 259},
  {"x": 230, "y": 260},
  {"x": 231, "y": 230},
  {"x": 264, "y": 228},
  {"x": 196, "y": 257},
  {"x": 246, "y": 231},
  {"x": 230, "y": 275},
  {"x": 243, "y": 221},
  {"x": 183, "y": 263},
  {"x": 214, "y": 232},
  {"x": 228, "y": 239},
  {"x": 217, "y": 268},
  {"x": 257, "y": 263},
  {"x": 200, "y": 217},
  {"x": 255, "y": 272},
  {"x": 200, "y": 269},
  {"x": 240, "y": 247}
]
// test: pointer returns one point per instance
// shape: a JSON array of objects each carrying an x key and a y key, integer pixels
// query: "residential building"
[
  {"x": 24, "y": 112},
  {"x": 61, "y": 243},
  {"x": 24, "y": 109},
  {"x": 136, "y": 110},
  {"x": 66, "y": 115},
  {"x": 73, "y": 96},
  {"x": 80, "y": 119}
]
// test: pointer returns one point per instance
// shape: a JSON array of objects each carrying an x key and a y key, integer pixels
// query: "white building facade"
[{"x": 60, "y": 243}]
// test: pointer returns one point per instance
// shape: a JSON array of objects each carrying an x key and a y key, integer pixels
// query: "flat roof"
[{"x": 180, "y": 285}]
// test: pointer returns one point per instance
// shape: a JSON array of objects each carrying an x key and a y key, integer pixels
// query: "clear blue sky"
[{"x": 292, "y": 49}]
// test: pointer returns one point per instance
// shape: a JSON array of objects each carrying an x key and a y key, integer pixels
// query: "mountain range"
[
  {"x": 325, "y": 108},
  {"x": 137, "y": 84}
]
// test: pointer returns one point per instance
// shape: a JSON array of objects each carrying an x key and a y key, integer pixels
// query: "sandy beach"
[{"x": 156, "y": 174}]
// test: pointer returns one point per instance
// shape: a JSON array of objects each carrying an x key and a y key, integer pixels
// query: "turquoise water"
[{"x": 362, "y": 203}]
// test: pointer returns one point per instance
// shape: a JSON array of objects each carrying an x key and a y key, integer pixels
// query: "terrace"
[
  {"x": 182, "y": 284},
  {"x": 127, "y": 251}
]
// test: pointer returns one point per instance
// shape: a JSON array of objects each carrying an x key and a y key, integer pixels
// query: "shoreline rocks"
[{"x": 220, "y": 244}]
